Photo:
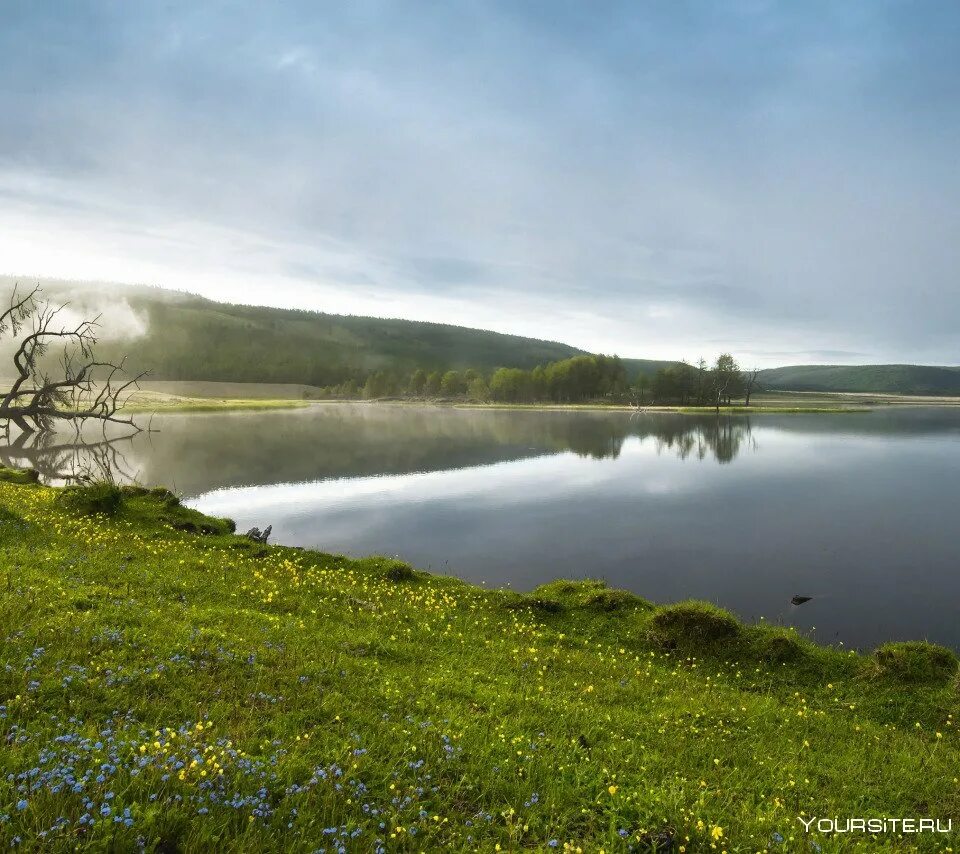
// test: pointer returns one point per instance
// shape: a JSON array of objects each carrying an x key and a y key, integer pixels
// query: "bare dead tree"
[
  {"x": 720, "y": 385},
  {"x": 83, "y": 390},
  {"x": 750, "y": 383}
]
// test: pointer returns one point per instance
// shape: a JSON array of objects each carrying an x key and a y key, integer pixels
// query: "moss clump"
[
  {"x": 130, "y": 490},
  {"x": 588, "y": 594},
  {"x": 101, "y": 498},
  {"x": 166, "y": 496},
  {"x": 780, "y": 647},
  {"x": 917, "y": 662},
  {"x": 21, "y": 476},
  {"x": 396, "y": 570},
  {"x": 614, "y": 601},
  {"x": 696, "y": 623}
]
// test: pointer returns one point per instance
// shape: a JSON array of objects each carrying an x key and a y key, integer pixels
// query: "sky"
[{"x": 654, "y": 179}]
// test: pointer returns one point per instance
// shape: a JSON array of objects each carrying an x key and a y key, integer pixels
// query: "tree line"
[{"x": 580, "y": 379}]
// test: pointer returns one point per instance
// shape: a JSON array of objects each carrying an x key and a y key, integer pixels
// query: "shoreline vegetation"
[
  {"x": 210, "y": 405},
  {"x": 157, "y": 397},
  {"x": 172, "y": 397},
  {"x": 168, "y": 684}
]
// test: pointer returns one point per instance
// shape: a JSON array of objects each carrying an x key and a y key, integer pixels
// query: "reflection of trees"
[
  {"x": 196, "y": 453},
  {"x": 721, "y": 438},
  {"x": 60, "y": 461}
]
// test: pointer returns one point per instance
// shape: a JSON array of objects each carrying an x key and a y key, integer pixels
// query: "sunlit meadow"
[{"x": 170, "y": 686}]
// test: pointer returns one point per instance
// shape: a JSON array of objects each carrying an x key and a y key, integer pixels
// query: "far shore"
[{"x": 204, "y": 397}]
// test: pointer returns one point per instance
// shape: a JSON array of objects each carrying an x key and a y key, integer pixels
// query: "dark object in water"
[
  {"x": 799, "y": 600},
  {"x": 257, "y": 536}
]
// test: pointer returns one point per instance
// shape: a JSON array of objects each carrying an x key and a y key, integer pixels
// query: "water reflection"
[
  {"x": 197, "y": 453},
  {"x": 72, "y": 458}
]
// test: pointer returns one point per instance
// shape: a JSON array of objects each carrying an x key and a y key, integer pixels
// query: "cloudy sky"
[{"x": 662, "y": 179}]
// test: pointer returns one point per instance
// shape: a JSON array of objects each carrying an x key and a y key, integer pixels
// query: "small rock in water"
[{"x": 799, "y": 600}]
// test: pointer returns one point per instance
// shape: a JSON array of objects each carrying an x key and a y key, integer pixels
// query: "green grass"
[
  {"x": 156, "y": 403},
  {"x": 763, "y": 409},
  {"x": 239, "y": 697},
  {"x": 759, "y": 409}
]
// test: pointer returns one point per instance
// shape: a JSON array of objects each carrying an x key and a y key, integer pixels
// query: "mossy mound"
[
  {"x": 21, "y": 476},
  {"x": 917, "y": 662},
  {"x": 102, "y": 498},
  {"x": 394, "y": 570},
  {"x": 590, "y": 594},
  {"x": 696, "y": 623},
  {"x": 776, "y": 646},
  {"x": 613, "y": 601},
  {"x": 162, "y": 506},
  {"x": 166, "y": 496},
  {"x": 131, "y": 490}
]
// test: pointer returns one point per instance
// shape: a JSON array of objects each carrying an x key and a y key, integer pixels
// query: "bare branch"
[{"x": 37, "y": 402}]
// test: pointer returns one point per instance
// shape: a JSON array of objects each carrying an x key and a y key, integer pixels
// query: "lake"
[{"x": 858, "y": 511}]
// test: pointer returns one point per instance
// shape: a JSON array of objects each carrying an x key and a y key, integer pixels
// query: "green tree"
[
  {"x": 418, "y": 382},
  {"x": 640, "y": 387},
  {"x": 432, "y": 387},
  {"x": 726, "y": 382},
  {"x": 510, "y": 385},
  {"x": 452, "y": 384},
  {"x": 478, "y": 390}
]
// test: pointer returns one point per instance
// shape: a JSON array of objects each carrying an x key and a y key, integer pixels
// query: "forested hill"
[
  {"x": 891, "y": 379},
  {"x": 181, "y": 336},
  {"x": 191, "y": 338}
]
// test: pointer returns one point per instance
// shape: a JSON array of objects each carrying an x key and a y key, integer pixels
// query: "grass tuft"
[
  {"x": 21, "y": 476},
  {"x": 101, "y": 498},
  {"x": 916, "y": 662},
  {"x": 397, "y": 570},
  {"x": 696, "y": 623},
  {"x": 614, "y": 601},
  {"x": 779, "y": 646}
]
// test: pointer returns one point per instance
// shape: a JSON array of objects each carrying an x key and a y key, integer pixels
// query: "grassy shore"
[
  {"x": 760, "y": 409},
  {"x": 170, "y": 686},
  {"x": 141, "y": 403}
]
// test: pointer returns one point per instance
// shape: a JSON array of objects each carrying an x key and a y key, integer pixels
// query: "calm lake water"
[{"x": 859, "y": 511}]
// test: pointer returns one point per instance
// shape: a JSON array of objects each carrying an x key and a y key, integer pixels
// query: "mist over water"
[{"x": 855, "y": 510}]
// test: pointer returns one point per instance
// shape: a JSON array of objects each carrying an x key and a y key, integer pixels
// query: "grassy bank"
[
  {"x": 171, "y": 686},
  {"x": 760, "y": 409},
  {"x": 141, "y": 403}
]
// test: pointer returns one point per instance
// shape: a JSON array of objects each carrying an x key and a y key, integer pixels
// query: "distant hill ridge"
[
  {"x": 888, "y": 379},
  {"x": 189, "y": 337}
]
